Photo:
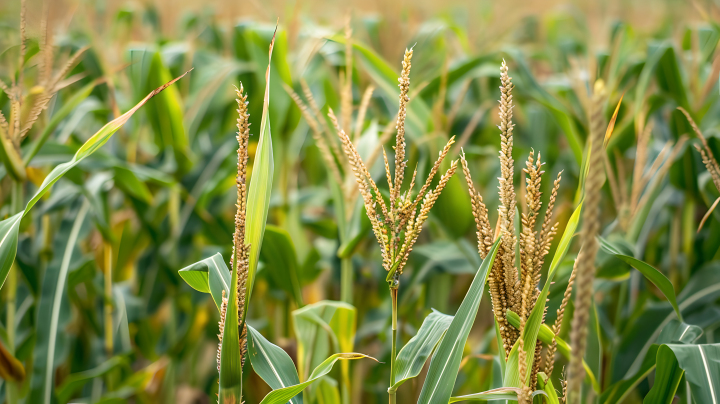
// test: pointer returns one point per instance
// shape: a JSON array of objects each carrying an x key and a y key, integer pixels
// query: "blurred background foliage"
[{"x": 160, "y": 195}]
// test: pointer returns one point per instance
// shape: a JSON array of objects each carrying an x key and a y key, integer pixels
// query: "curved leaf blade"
[
  {"x": 445, "y": 364},
  {"x": 412, "y": 357},
  {"x": 653, "y": 275},
  {"x": 272, "y": 363},
  {"x": 210, "y": 275},
  {"x": 283, "y": 395}
]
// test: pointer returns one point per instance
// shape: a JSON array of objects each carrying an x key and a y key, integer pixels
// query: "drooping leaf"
[
  {"x": 699, "y": 363},
  {"x": 210, "y": 275},
  {"x": 445, "y": 364},
  {"x": 9, "y": 227},
  {"x": 650, "y": 273}
]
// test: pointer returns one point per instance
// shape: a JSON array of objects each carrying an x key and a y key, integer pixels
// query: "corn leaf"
[
  {"x": 278, "y": 253},
  {"x": 653, "y": 275},
  {"x": 260, "y": 188},
  {"x": 9, "y": 227},
  {"x": 284, "y": 395},
  {"x": 620, "y": 390},
  {"x": 700, "y": 365},
  {"x": 210, "y": 275},
  {"x": 445, "y": 364},
  {"x": 272, "y": 363},
  {"x": 546, "y": 385},
  {"x": 502, "y": 393},
  {"x": 230, "y": 388},
  {"x": 412, "y": 357},
  {"x": 668, "y": 375}
]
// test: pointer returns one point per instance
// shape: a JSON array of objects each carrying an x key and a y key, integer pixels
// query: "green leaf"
[
  {"x": 412, "y": 357},
  {"x": 272, "y": 363},
  {"x": 76, "y": 381},
  {"x": 210, "y": 275},
  {"x": 546, "y": 385},
  {"x": 260, "y": 189},
  {"x": 701, "y": 366},
  {"x": 667, "y": 378},
  {"x": 327, "y": 391},
  {"x": 502, "y": 393},
  {"x": 9, "y": 227},
  {"x": 230, "y": 388},
  {"x": 283, "y": 395},
  {"x": 445, "y": 364},
  {"x": 278, "y": 253},
  {"x": 650, "y": 273}
]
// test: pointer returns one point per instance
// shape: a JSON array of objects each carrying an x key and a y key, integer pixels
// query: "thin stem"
[
  {"x": 346, "y": 280},
  {"x": 392, "y": 391}
]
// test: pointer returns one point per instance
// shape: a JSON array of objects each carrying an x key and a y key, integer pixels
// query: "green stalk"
[
  {"x": 346, "y": 280},
  {"x": 391, "y": 391}
]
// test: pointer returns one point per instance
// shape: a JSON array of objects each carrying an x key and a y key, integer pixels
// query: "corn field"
[{"x": 317, "y": 202}]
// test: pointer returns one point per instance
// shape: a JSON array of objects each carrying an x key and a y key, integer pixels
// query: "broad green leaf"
[
  {"x": 702, "y": 289},
  {"x": 700, "y": 364},
  {"x": 278, "y": 253},
  {"x": 272, "y": 363},
  {"x": 210, "y": 275},
  {"x": 283, "y": 395},
  {"x": 230, "y": 388},
  {"x": 260, "y": 188},
  {"x": 76, "y": 381},
  {"x": 546, "y": 385},
  {"x": 668, "y": 375},
  {"x": 445, "y": 364},
  {"x": 412, "y": 357},
  {"x": 9, "y": 227},
  {"x": 534, "y": 321},
  {"x": 650, "y": 273},
  {"x": 679, "y": 333}
]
